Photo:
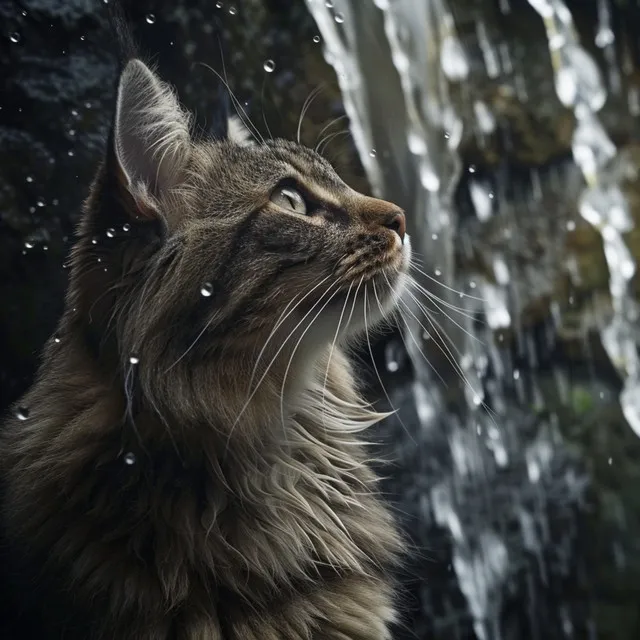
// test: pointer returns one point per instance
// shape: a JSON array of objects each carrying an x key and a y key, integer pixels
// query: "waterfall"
[
  {"x": 603, "y": 204},
  {"x": 500, "y": 472}
]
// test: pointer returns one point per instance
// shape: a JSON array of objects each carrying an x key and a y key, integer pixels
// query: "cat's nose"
[{"x": 397, "y": 222}]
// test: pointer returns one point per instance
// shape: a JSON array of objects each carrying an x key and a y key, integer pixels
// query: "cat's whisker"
[
  {"x": 421, "y": 351},
  {"x": 305, "y": 107},
  {"x": 439, "y": 332},
  {"x": 414, "y": 259},
  {"x": 293, "y": 353},
  {"x": 328, "y": 126},
  {"x": 268, "y": 368},
  {"x": 264, "y": 116},
  {"x": 246, "y": 120},
  {"x": 192, "y": 345},
  {"x": 238, "y": 105},
  {"x": 375, "y": 367},
  {"x": 442, "y": 346},
  {"x": 426, "y": 311},
  {"x": 280, "y": 321},
  {"x": 328, "y": 138},
  {"x": 437, "y": 299},
  {"x": 333, "y": 344}
]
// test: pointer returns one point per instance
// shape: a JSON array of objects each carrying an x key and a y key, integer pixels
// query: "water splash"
[{"x": 579, "y": 86}]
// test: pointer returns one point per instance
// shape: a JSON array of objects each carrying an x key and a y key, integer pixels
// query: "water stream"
[{"x": 504, "y": 486}]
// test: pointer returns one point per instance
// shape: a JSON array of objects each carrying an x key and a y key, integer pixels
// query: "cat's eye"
[{"x": 289, "y": 198}]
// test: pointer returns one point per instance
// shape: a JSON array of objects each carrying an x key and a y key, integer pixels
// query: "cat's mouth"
[
  {"x": 362, "y": 267},
  {"x": 376, "y": 282}
]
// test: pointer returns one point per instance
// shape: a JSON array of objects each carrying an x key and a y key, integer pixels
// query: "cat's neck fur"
[{"x": 268, "y": 505}]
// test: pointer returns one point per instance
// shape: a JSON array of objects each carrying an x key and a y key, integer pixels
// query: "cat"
[{"x": 187, "y": 464}]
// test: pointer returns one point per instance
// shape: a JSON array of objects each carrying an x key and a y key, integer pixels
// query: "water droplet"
[
  {"x": 22, "y": 413},
  {"x": 395, "y": 356},
  {"x": 82, "y": 38},
  {"x": 111, "y": 233},
  {"x": 373, "y": 153},
  {"x": 71, "y": 153},
  {"x": 233, "y": 11},
  {"x": 15, "y": 37},
  {"x": 28, "y": 245},
  {"x": 480, "y": 197},
  {"x": 45, "y": 247},
  {"x": 453, "y": 59},
  {"x": 206, "y": 290},
  {"x": 72, "y": 132},
  {"x": 87, "y": 105},
  {"x": 133, "y": 359},
  {"x": 150, "y": 18},
  {"x": 56, "y": 339},
  {"x": 428, "y": 177},
  {"x": 486, "y": 121},
  {"x": 218, "y": 5},
  {"x": 269, "y": 66},
  {"x": 129, "y": 458},
  {"x": 316, "y": 39},
  {"x": 501, "y": 271},
  {"x": 74, "y": 113},
  {"x": 571, "y": 225},
  {"x": 416, "y": 142},
  {"x": 24, "y": 13},
  {"x": 29, "y": 178},
  {"x": 329, "y": 4},
  {"x": 94, "y": 240},
  {"x": 40, "y": 202},
  {"x": 126, "y": 227},
  {"x": 339, "y": 18},
  {"x": 438, "y": 272},
  {"x": 604, "y": 37}
]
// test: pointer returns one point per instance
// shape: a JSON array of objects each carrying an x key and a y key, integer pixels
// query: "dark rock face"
[{"x": 58, "y": 68}]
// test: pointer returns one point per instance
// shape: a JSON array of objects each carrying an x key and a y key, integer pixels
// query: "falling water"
[
  {"x": 603, "y": 204},
  {"x": 501, "y": 476}
]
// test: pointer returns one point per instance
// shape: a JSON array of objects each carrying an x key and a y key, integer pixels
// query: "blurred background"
[{"x": 508, "y": 130}]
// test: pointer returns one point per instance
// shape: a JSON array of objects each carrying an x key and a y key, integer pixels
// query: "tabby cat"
[{"x": 186, "y": 465}]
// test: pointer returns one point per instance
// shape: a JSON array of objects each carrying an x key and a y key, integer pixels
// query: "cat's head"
[{"x": 191, "y": 248}]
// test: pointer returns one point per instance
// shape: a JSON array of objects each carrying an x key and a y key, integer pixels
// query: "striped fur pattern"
[{"x": 191, "y": 466}]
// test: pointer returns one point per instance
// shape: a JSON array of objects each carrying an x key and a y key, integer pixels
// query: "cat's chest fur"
[{"x": 180, "y": 531}]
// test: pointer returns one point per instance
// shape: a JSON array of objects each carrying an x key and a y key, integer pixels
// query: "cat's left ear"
[
  {"x": 151, "y": 137},
  {"x": 225, "y": 126},
  {"x": 238, "y": 133}
]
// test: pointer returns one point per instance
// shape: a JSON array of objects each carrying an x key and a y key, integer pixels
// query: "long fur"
[{"x": 191, "y": 465}]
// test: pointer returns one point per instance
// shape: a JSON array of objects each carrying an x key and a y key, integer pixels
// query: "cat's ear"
[
  {"x": 151, "y": 136},
  {"x": 238, "y": 133}
]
